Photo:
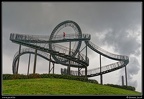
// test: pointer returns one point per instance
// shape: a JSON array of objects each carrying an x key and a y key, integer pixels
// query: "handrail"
[
  {"x": 21, "y": 39},
  {"x": 123, "y": 61},
  {"x": 37, "y": 38}
]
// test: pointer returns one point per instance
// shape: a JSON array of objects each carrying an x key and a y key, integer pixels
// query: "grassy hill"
[{"x": 55, "y": 86}]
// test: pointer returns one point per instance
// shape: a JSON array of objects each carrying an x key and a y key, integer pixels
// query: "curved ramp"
[
  {"x": 29, "y": 51},
  {"x": 37, "y": 42},
  {"x": 123, "y": 61}
]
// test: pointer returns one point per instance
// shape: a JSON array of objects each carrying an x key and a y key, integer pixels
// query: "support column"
[
  {"x": 29, "y": 64},
  {"x": 50, "y": 69},
  {"x": 101, "y": 81},
  {"x": 126, "y": 75},
  {"x": 122, "y": 81},
  {"x": 86, "y": 72},
  {"x": 86, "y": 52},
  {"x": 68, "y": 68},
  {"x": 18, "y": 59},
  {"x": 49, "y": 64},
  {"x": 35, "y": 59},
  {"x": 53, "y": 68},
  {"x": 78, "y": 71},
  {"x": 78, "y": 67},
  {"x": 86, "y": 60}
]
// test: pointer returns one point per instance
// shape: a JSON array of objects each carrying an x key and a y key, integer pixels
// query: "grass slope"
[{"x": 53, "y": 86}]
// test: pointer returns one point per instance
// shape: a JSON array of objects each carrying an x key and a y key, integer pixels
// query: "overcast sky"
[{"x": 114, "y": 26}]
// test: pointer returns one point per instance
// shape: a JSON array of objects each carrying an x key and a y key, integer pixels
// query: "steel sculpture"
[{"x": 48, "y": 48}]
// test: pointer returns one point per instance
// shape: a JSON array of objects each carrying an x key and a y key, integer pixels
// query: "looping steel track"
[{"x": 46, "y": 45}]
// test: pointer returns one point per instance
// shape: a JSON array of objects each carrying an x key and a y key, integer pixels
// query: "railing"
[
  {"x": 65, "y": 50},
  {"x": 45, "y": 54},
  {"x": 103, "y": 69},
  {"x": 32, "y": 50},
  {"x": 123, "y": 61},
  {"x": 95, "y": 47},
  {"x": 71, "y": 36},
  {"x": 37, "y": 38},
  {"x": 59, "y": 48}
]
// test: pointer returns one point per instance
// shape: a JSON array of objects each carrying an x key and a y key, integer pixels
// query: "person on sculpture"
[{"x": 64, "y": 35}]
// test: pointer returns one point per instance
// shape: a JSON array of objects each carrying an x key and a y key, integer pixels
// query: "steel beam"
[
  {"x": 29, "y": 64},
  {"x": 126, "y": 75},
  {"x": 18, "y": 59},
  {"x": 49, "y": 64},
  {"x": 101, "y": 81},
  {"x": 35, "y": 59},
  {"x": 68, "y": 68}
]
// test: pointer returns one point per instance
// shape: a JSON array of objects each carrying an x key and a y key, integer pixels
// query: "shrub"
[
  {"x": 93, "y": 81},
  {"x": 34, "y": 76},
  {"x": 70, "y": 77},
  {"x": 19, "y": 76},
  {"x": 7, "y": 76},
  {"x": 123, "y": 87},
  {"x": 44, "y": 76}
]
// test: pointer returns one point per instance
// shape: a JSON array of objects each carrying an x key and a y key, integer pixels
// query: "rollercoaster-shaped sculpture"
[{"x": 48, "y": 47}]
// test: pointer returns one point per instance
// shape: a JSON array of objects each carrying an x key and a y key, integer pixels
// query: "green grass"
[{"x": 55, "y": 86}]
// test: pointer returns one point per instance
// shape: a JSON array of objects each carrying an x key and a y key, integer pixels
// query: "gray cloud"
[
  {"x": 133, "y": 66},
  {"x": 122, "y": 42},
  {"x": 132, "y": 69}
]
